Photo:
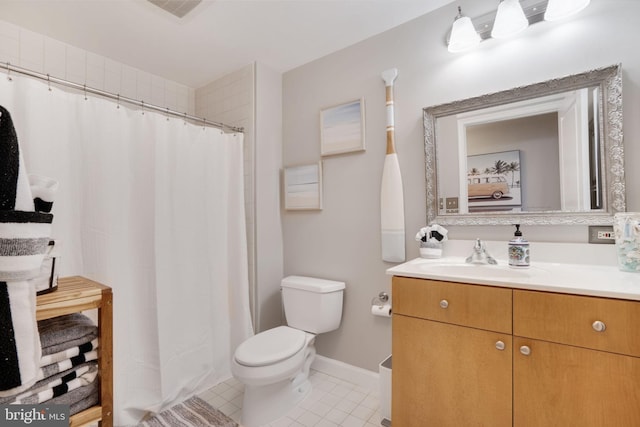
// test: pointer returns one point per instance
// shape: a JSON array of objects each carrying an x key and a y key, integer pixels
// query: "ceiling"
[{"x": 217, "y": 36}]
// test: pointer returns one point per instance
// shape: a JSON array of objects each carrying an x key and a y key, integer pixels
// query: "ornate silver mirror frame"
[{"x": 609, "y": 83}]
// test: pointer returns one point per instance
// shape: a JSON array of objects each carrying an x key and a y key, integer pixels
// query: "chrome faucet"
[{"x": 480, "y": 255}]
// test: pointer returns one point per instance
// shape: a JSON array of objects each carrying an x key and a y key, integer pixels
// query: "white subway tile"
[
  {"x": 112, "y": 76},
  {"x": 157, "y": 91},
  {"x": 95, "y": 71},
  {"x": 9, "y": 43},
  {"x": 143, "y": 87},
  {"x": 129, "y": 82},
  {"x": 31, "y": 50},
  {"x": 76, "y": 65},
  {"x": 55, "y": 58}
]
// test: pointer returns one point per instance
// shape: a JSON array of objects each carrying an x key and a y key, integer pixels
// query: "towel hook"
[
  {"x": 9, "y": 72},
  {"x": 118, "y": 102},
  {"x": 167, "y": 113},
  {"x": 49, "y": 82}
]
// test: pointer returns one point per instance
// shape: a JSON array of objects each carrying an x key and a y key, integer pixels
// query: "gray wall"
[{"x": 343, "y": 240}]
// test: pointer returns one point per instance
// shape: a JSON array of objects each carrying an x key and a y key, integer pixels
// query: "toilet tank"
[{"x": 311, "y": 304}]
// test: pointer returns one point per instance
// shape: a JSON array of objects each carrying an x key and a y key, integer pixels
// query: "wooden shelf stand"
[{"x": 73, "y": 295}]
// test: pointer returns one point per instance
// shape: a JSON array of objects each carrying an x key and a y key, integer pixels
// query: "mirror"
[{"x": 546, "y": 153}]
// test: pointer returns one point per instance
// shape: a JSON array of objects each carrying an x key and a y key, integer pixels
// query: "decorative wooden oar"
[{"x": 391, "y": 195}]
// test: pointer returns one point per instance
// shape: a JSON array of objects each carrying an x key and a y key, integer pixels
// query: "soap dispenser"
[{"x": 518, "y": 250}]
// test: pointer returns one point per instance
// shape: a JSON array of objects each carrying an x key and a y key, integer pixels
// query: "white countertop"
[{"x": 580, "y": 279}]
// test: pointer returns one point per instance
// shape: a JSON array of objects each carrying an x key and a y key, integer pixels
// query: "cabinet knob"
[
  {"x": 599, "y": 326},
  {"x": 525, "y": 350},
  {"x": 444, "y": 303},
  {"x": 500, "y": 345}
]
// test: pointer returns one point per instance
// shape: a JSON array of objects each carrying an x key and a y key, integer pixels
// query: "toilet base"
[{"x": 264, "y": 404}]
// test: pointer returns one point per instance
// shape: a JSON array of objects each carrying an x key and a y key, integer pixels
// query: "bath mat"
[{"x": 193, "y": 412}]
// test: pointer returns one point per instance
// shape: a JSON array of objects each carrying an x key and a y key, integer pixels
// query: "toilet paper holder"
[{"x": 381, "y": 299}]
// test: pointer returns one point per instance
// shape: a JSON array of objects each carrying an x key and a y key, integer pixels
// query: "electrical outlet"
[
  {"x": 452, "y": 204},
  {"x": 601, "y": 234}
]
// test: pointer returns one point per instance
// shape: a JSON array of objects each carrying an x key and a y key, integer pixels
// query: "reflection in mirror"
[{"x": 548, "y": 153}]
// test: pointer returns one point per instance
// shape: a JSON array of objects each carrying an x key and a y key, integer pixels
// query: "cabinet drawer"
[
  {"x": 573, "y": 320},
  {"x": 477, "y": 306}
]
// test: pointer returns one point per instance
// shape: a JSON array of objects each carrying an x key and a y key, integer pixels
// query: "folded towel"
[
  {"x": 47, "y": 375},
  {"x": 64, "y": 332},
  {"x": 57, "y": 385},
  {"x": 64, "y": 365},
  {"x": 68, "y": 353},
  {"x": 80, "y": 398},
  {"x": 24, "y": 236}
]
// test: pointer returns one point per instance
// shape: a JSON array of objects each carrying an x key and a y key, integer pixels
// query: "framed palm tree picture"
[{"x": 494, "y": 181}]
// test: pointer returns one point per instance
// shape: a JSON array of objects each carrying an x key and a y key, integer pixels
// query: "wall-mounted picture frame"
[
  {"x": 494, "y": 182},
  {"x": 303, "y": 187},
  {"x": 342, "y": 128}
]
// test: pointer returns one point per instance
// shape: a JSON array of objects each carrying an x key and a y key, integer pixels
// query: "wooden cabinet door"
[
  {"x": 561, "y": 385},
  {"x": 447, "y": 375}
]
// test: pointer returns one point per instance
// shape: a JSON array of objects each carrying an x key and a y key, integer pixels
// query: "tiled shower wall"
[
  {"x": 34, "y": 51},
  {"x": 229, "y": 100}
]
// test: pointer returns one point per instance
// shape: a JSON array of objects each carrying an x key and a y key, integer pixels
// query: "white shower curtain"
[{"x": 153, "y": 208}]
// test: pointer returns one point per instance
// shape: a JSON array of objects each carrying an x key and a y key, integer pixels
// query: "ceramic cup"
[
  {"x": 430, "y": 249},
  {"x": 626, "y": 229}
]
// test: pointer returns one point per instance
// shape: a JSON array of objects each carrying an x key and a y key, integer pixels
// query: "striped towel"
[
  {"x": 68, "y": 353},
  {"x": 24, "y": 236},
  {"x": 58, "y": 385},
  {"x": 54, "y": 374},
  {"x": 63, "y": 365}
]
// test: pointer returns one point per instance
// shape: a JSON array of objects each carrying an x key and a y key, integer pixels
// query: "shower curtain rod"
[{"x": 117, "y": 97}]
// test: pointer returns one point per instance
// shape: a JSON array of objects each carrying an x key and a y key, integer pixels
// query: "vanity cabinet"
[
  {"x": 495, "y": 356},
  {"x": 451, "y": 360},
  {"x": 576, "y": 360}
]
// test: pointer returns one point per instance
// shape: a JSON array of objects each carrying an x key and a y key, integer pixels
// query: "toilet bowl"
[{"x": 274, "y": 365}]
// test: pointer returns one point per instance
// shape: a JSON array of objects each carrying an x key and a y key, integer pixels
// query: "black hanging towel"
[{"x": 24, "y": 236}]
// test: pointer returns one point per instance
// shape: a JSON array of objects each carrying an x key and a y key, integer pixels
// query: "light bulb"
[
  {"x": 560, "y": 9},
  {"x": 510, "y": 19},
  {"x": 463, "y": 34}
]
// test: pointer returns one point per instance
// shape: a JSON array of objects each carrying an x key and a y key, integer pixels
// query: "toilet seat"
[{"x": 269, "y": 347}]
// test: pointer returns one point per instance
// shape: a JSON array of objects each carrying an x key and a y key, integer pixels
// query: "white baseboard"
[{"x": 353, "y": 374}]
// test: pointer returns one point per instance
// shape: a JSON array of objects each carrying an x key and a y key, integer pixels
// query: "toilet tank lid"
[{"x": 312, "y": 284}]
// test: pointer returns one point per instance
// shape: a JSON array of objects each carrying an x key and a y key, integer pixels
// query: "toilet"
[{"x": 274, "y": 364}]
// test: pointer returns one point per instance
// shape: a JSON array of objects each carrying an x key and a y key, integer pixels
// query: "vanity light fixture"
[
  {"x": 510, "y": 20},
  {"x": 463, "y": 34},
  {"x": 511, "y": 17},
  {"x": 560, "y": 9}
]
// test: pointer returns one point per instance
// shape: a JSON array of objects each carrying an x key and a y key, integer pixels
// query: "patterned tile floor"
[{"x": 332, "y": 402}]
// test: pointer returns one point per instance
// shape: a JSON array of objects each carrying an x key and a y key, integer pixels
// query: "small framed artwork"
[
  {"x": 303, "y": 187},
  {"x": 342, "y": 128}
]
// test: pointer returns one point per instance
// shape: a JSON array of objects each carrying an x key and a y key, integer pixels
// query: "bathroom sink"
[{"x": 473, "y": 270}]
